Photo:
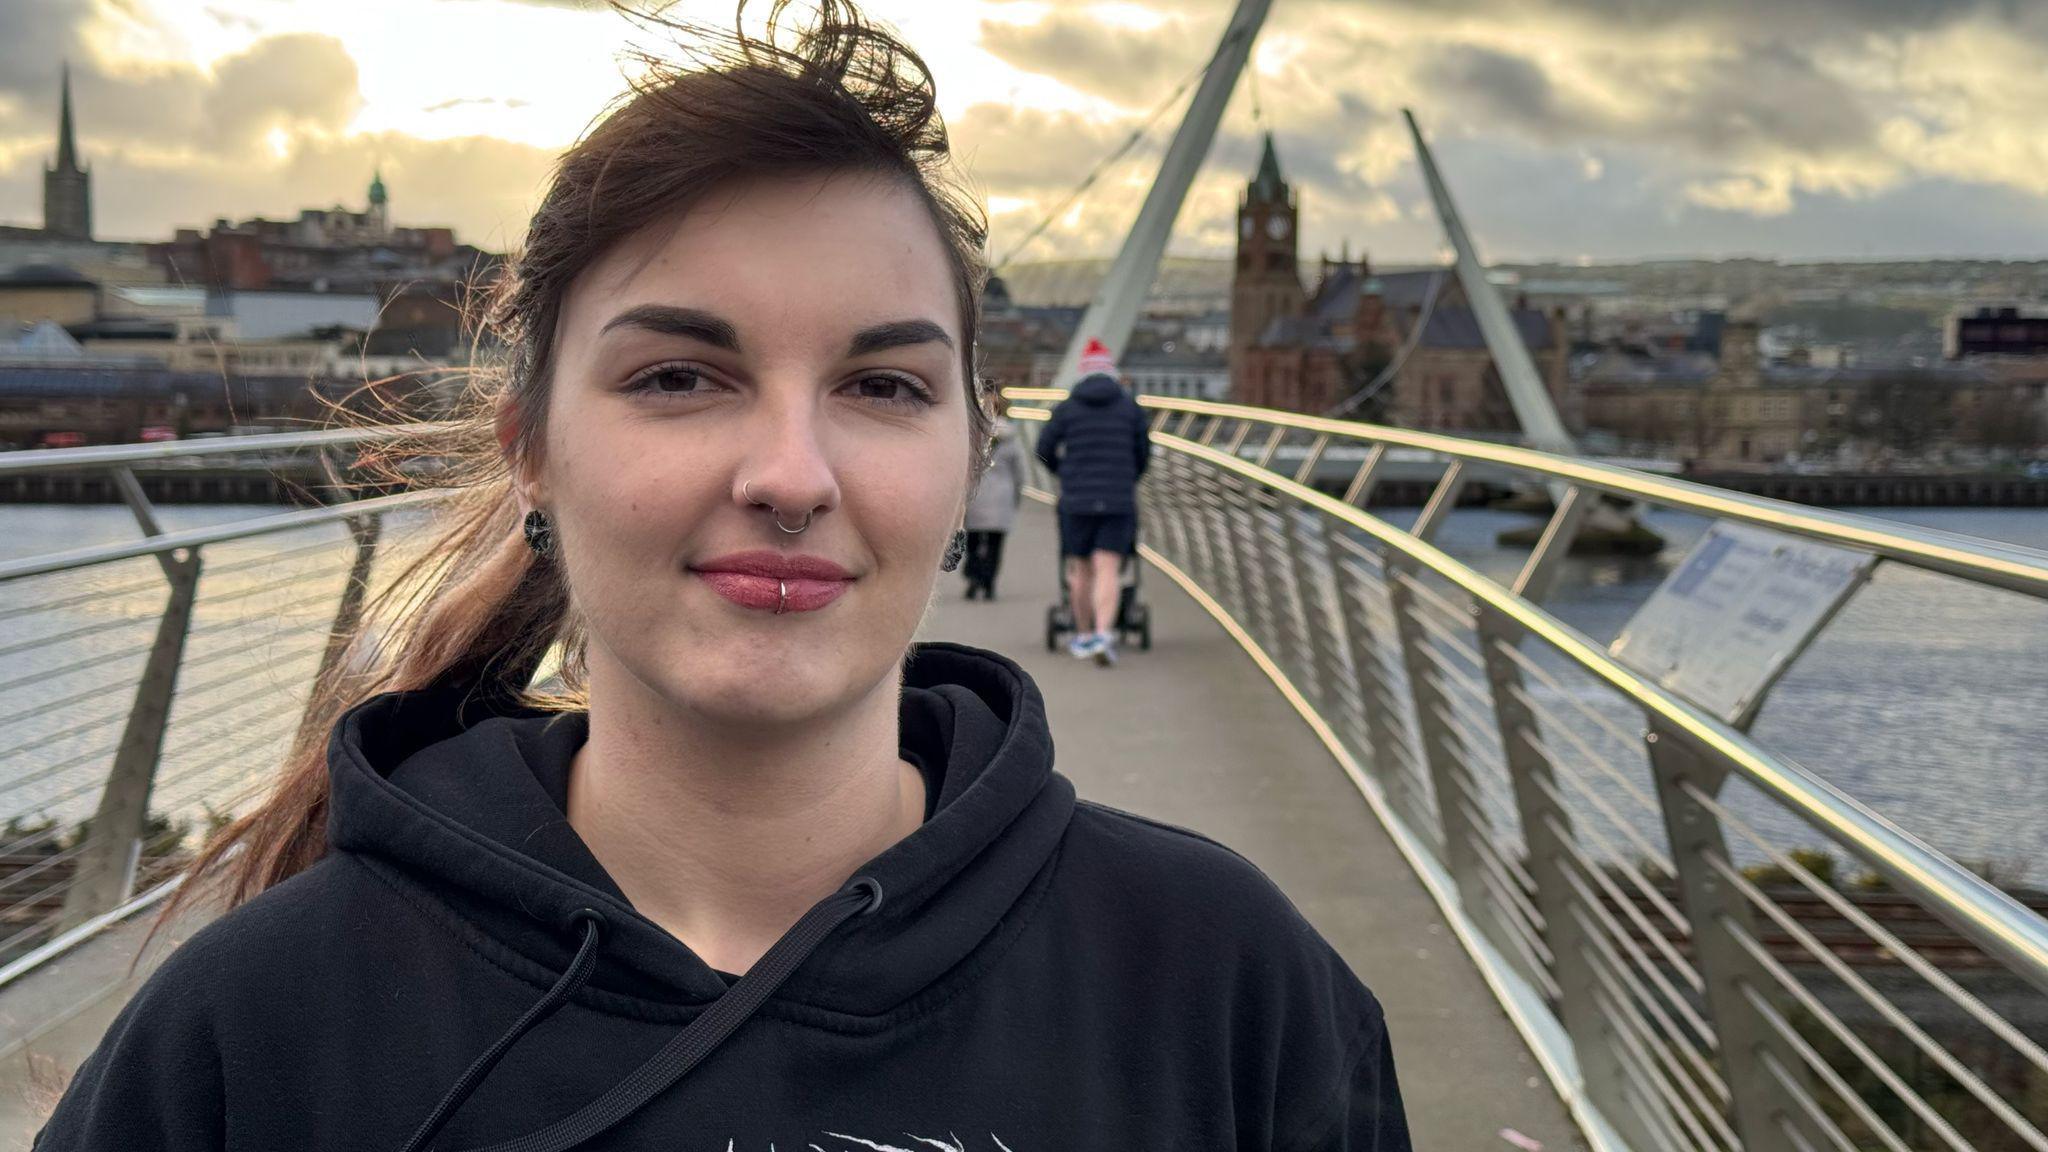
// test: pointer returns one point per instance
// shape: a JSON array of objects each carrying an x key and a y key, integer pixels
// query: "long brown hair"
[{"x": 837, "y": 94}]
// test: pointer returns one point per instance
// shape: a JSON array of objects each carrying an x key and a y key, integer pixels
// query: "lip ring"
[{"x": 775, "y": 583}]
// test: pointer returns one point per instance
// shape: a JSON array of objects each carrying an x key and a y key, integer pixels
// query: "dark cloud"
[
  {"x": 1768, "y": 93},
  {"x": 1501, "y": 89},
  {"x": 36, "y": 36},
  {"x": 1527, "y": 202},
  {"x": 291, "y": 81},
  {"x": 1131, "y": 66},
  {"x": 1759, "y": 99}
]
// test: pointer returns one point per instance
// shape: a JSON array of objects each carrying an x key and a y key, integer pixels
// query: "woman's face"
[{"x": 793, "y": 343}]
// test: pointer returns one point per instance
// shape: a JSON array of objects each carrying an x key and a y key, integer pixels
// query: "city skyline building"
[{"x": 67, "y": 185}]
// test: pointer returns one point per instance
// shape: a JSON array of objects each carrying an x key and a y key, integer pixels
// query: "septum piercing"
[{"x": 746, "y": 487}]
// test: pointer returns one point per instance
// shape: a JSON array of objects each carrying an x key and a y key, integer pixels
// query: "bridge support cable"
[
  {"x": 1535, "y": 410},
  {"x": 1114, "y": 311}
]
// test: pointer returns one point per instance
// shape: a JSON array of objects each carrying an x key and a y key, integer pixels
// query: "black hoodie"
[
  {"x": 1040, "y": 974},
  {"x": 1098, "y": 444}
]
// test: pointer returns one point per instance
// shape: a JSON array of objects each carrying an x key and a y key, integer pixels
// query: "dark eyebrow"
[
  {"x": 672, "y": 321},
  {"x": 896, "y": 334}
]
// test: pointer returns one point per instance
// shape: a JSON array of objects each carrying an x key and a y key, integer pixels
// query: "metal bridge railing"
[
  {"x": 1615, "y": 858},
  {"x": 149, "y": 689}
]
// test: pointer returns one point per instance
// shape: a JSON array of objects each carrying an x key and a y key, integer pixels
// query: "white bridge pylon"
[
  {"x": 1542, "y": 428},
  {"x": 1114, "y": 311}
]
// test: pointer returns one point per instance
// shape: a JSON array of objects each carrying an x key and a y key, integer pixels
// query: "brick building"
[
  {"x": 1333, "y": 347},
  {"x": 324, "y": 250}
]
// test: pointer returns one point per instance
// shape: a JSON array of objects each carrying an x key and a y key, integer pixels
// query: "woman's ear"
[{"x": 525, "y": 488}]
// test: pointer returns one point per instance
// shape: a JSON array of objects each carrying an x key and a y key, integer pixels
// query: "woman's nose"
[{"x": 784, "y": 466}]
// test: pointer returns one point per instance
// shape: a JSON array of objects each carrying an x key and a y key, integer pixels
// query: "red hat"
[{"x": 1095, "y": 358}]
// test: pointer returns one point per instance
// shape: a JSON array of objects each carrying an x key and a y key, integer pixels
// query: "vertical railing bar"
[
  {"x": 1244, "y": 429},
  {"x": 1615, "y": 968},
  {"x": 1314, "y": 457},
  {"x": 1273, "y": 440},
  {"x": 1899, "y": 949},
  {"x": 1359, "y": 493},
  {"x": 106, "y": 877},
  {"x": 1546, "y": 561},
  {"x": 1443, "y": 500},
  {"x": 1674, "y": 916},
  {"x": 1617, "y": 936},
  {"x": 1876, "y": 1064},
  {"x": 1903, "y": 1023},
  {"x": 1646, "y": 1059},
  {"x": 1694, "y": 834}
]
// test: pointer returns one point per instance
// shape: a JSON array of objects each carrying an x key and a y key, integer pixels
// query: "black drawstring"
[
  {"x": 689, "y": 1047},
  {"x": 572, "y": 978}
]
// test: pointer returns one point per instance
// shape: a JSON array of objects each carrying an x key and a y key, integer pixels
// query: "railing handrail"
[
  {"x": 214, "y": 534},
  {"x": 124, "y": 455},
  {"x": 1991, "y": 918},
  {"x": 2010, "y": 566}
]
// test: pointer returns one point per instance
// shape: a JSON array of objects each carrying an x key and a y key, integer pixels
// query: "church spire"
[
  {"x": 67, "y": 144},
  {"x": 67, "y": 188},
  {"x": 1268, "y": 185}
]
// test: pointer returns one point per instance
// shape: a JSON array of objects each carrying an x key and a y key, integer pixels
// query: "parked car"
[
  {"x": 157, "y": 433},
  {"x": 62, "y": 440}
]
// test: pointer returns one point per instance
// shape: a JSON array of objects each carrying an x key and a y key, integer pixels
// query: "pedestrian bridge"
[{"x": 1599, "y": 913}]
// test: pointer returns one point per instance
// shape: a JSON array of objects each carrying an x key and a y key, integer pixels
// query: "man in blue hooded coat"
[{"x": 1098, "y": 444}]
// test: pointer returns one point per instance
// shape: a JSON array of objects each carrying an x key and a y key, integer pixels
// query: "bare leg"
[
  {"x": 1077, "y": 595},
  {"x": 1108, "y": 588}
]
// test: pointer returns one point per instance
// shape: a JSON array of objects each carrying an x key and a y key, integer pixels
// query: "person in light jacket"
[{"x": 993, "y": 510}]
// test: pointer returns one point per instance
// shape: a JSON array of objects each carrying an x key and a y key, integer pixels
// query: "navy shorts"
[{"x": 1082, "y": 533}]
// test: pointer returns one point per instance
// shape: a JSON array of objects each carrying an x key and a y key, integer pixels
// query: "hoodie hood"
[
  {"x": 1098, "y": 390},
  {"x": 462, "y": 792}
]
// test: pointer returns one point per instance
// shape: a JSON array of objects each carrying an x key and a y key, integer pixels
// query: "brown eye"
[
  {"x": 891, "y": 392},
  {"x": 670, "y": 380}
]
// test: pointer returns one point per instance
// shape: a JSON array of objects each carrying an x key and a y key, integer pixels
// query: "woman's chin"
[{"x": 760, "y": 686}]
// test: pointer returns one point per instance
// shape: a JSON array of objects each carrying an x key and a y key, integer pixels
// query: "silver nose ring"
[{"x": 746, "y": 490}]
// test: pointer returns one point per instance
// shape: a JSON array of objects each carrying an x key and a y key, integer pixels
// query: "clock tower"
[{"x": 1266, "y": 282}]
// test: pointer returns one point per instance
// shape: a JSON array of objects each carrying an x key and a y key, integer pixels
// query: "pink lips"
[{"x": 775, "y": 582}]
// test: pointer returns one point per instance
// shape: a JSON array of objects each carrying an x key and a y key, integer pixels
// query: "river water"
[{"x": 1926, "y": 698}]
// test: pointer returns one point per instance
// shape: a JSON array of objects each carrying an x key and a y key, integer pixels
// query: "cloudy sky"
[{"x": 1570, "y": 129}]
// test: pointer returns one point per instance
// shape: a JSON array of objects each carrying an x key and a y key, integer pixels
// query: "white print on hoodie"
[{"x": 924, "y": 1144}]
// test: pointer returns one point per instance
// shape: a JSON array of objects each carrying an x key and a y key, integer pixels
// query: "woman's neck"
[{"x": 724, "y": 838}]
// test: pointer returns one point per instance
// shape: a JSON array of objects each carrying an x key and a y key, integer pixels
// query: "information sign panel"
[{"x": 1727, "y": 622}]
